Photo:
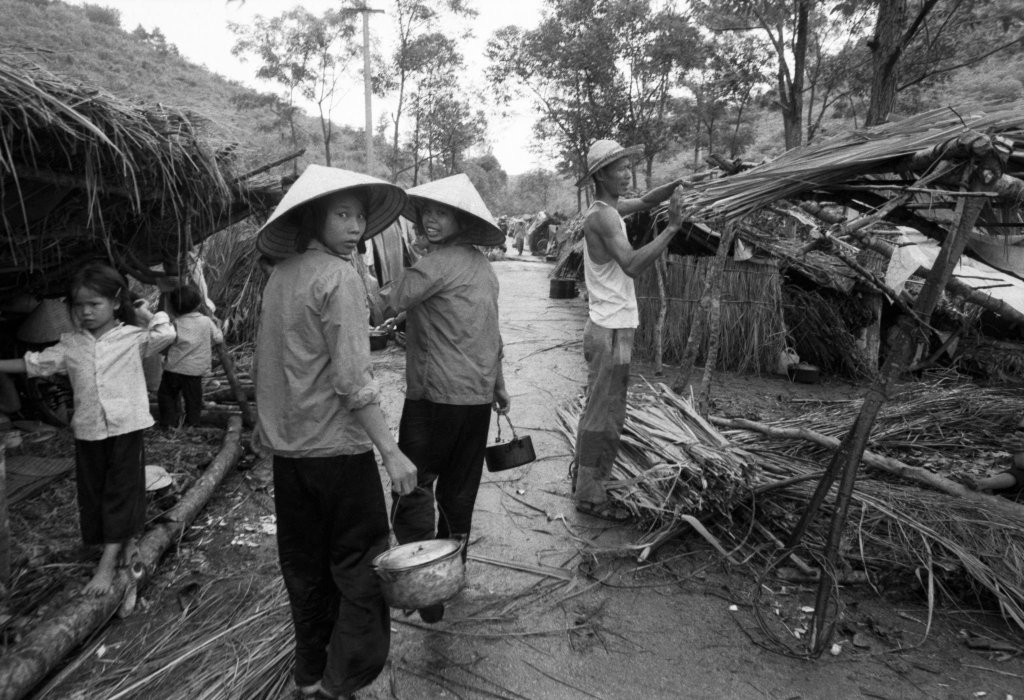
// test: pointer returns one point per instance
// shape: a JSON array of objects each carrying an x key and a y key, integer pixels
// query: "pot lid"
[{"x": 414, "y": 554}]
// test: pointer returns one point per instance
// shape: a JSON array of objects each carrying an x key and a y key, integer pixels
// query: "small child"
[
  {"x": 103, "y": 360},
  {"x": 188, "y": 359}
]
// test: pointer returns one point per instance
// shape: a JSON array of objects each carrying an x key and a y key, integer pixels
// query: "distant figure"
[
  {"x": 103, "y": 360},
  {"x": 188, "y": 359},
  {"x": 610, "y": 264},
  {"x": 520, "y": 239}
]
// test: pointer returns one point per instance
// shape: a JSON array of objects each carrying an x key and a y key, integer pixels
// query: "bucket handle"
[{"x": 497, "y": 422}]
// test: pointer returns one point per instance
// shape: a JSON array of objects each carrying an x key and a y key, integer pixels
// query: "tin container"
[{"x": 420, "y": 574}]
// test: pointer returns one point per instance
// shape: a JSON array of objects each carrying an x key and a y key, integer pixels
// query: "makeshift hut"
[
  {"x": 889, "y": 212},
  {"x": 85, "y": 174}
]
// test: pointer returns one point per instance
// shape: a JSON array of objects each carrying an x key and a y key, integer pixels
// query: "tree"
[
  {"x": 537, "y": 190},
  {"x": 786, "y": 24},
  {"x": 656, "y": 48},
  {"x": 596, "y": 69},
  {"x": 917, "y": 42},
  {"x": 417, "y": 53},
  {"x": 305, "y": 54}
]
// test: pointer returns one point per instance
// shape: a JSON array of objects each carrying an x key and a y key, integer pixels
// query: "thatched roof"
[
  {"x": 848, "y": 167},
  {"x": 85, "y": 173}
]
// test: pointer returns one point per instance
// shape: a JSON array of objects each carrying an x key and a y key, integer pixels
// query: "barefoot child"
[
  {"x": 188, "y": 358},
  {"x": 103, "y": 360}
]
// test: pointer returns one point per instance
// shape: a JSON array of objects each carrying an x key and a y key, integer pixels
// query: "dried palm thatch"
[
  {"x": 674, "y": 464},
  {"x": 930, "y": 417},
  {"x": 234, "y": 641},
  {"x": 843, "y": 159},
  {"x": 821, "y": 326},
  {"x": 237, "y": 288},
  {"x": 85, "y": 174},
  {"x": 751, "y": 332},
  {"x": 570, "y": 251}
]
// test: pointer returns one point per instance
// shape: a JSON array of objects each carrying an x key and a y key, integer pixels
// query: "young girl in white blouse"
[{"x": 103, "y": 360}]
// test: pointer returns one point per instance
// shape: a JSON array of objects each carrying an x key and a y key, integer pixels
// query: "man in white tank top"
[{"x": 610, "y": 264}]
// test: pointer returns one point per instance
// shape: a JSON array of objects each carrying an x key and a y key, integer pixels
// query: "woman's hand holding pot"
[{"x": 402, "y": 473}]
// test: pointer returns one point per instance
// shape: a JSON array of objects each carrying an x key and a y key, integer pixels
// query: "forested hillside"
[
  {"x": 88, "y": 44},
  {"x": 713, "y": 78}
]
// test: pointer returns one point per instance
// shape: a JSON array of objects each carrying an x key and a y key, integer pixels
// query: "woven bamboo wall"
[{"x": 752, "y": 332}]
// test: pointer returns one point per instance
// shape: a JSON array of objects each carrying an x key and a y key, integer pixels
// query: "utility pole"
[{"x": 365, "y": 11}]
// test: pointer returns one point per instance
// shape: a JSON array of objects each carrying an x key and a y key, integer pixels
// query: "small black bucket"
[
  {"x": 563, "y": 289},
  {"x": 506, "y": 455}
]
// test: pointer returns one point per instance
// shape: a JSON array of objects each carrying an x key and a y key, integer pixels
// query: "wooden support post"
[
  {"x": 660, "y": 271},
  {"x": 5, "y": 524},
  {"x": 847, "y": 458},
  {"x": 229, "y": 371}
]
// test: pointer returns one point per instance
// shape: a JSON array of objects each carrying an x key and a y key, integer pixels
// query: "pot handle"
[{"x": 497, "y": 422}]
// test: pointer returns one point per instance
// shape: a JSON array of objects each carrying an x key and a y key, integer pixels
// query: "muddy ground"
[{"x": 547, "y": 616}]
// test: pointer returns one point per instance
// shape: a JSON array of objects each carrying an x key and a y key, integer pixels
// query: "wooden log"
[
  {"x": 229, "y": 371},
  {"x": 5, "y": 524},
  {"x": 887, "y": 464},
  {"x": 23, "y": 667}
]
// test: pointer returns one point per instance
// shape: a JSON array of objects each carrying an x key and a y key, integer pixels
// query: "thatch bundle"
[
  {"x": 751, "y": 333},
  {"x": 746, "y": 488},
  {"x": 84, "y": 173},
  {"x": 841, "y": 161},
  {"x": 928, "y": 419}
]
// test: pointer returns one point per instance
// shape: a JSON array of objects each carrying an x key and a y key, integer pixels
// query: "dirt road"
[
  {"x": 596, "y": 626},
  {"x": 553, "y": 608}
]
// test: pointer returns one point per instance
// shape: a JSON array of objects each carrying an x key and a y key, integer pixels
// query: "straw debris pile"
[{"x": 750, "y": 490}]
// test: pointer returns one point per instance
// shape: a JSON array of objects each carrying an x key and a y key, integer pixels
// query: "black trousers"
[
  {"x": 190, "y": 388},
  {"x": 331, "y": 522},
  {"x": 111, "y": 482},
  {"x": 446, "y": 443}
]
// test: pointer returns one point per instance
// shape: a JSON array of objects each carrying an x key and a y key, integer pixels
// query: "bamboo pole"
[
  {"x": 5, "y": 525},
  {"x": 659, "y": 326},
  {"x": 240, "y": 396},
  {"x": 23, "y": 667},
  {"x": 714, "y": 318},
  {"x": 953, "y": 285},
  {"x": 881, "y": 462},
  {"x": 848, "y": 456}
]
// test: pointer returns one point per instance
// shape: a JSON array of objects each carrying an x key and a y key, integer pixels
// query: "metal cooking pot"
[{"x": 420, "y": 574}]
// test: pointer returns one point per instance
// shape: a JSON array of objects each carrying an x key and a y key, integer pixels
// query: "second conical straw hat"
[{"x": 458, "y": 193}]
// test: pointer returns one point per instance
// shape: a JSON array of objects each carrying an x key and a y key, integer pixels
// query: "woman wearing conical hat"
[
  {"x": 453, "y": 361},
  {"x": 320, "y": 418}
]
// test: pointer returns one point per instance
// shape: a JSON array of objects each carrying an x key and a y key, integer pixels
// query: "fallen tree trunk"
[
  {"x": 877, "y": 461},
  {"x": 23, "y": 667}
]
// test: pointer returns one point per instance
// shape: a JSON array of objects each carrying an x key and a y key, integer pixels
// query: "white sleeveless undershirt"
[{"x": 611, "y": 291}]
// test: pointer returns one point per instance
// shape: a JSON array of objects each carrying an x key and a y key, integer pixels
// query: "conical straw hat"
[
  {"x": 605, "y": 152},
  {"x": 46, "y": 323},
  {"x": 384, "y": 203},
  {"x": 458, "y": 193}
]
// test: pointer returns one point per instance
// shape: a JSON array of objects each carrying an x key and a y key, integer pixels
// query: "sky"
[{"x": 199, "y": 29}]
